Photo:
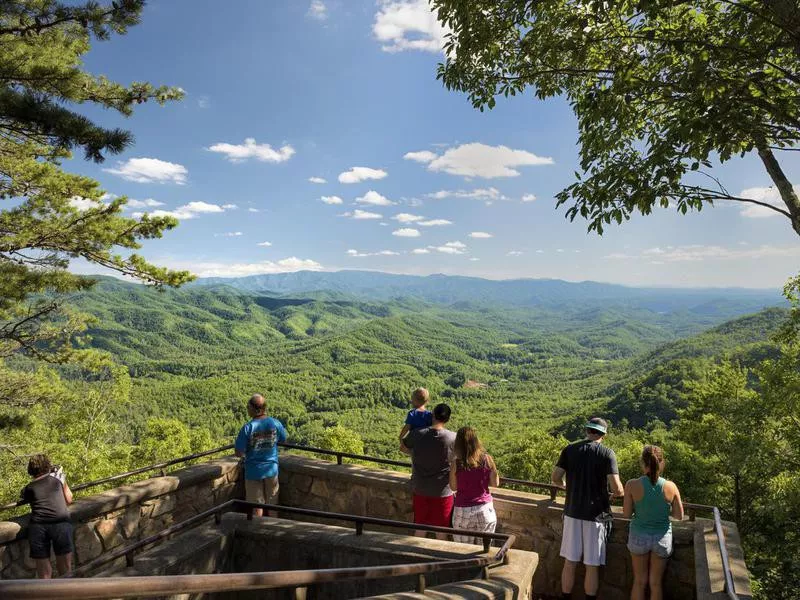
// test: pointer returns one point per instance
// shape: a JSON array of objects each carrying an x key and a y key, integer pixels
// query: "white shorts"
[{"x": 585, "y": 539}]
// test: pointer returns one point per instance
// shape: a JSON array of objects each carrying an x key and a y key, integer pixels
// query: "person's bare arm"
[
  {"x": 557, "y": 478},
  {"x": 403, "y": 431},
  {"x": 617, "y": 491},
  {"x": 403, "y": 448},
  {"x": 627, "y": 503},
  {"x": 239, "y": 453},
  {"x": 494, "y": 476},
  {"x": 67, "y": 492},
  {"x": 453, "y": 478},
  {"x": 677, "y": 505}
]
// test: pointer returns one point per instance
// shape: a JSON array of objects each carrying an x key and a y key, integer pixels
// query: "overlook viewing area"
[{"x": 342, "y": 531}]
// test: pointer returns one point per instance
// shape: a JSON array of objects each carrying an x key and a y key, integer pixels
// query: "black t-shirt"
[
  {"x": 587, "y": 465},
  {"x": 46, "y": 497}
]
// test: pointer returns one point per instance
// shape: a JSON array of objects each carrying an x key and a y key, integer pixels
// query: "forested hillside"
[{"x": 338, "y": 370}]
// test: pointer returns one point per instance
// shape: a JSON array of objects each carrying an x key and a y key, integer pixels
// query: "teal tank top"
[{"x": 651, "y": 513}]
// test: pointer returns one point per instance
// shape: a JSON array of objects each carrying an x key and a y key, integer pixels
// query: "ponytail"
[{"x": 653, "y": 461}]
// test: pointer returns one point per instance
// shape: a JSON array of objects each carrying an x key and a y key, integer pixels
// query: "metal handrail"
[
  {"x": 551, "y": 488},
  {"x": 104, "y": 587},
  {"x": 158, "y": 466},
  {"x": 129, "y": 551}
]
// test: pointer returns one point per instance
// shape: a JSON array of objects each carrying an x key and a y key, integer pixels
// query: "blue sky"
[{"x": 345, "y": 91}]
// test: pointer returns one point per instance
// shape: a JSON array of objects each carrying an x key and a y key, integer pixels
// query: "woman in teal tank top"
[{"x": 650, "y": 501}]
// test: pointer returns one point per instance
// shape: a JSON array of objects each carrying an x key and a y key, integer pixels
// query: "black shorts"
[{"x": 42, "y": 535}]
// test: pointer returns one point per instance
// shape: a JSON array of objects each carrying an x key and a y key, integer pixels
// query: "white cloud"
[
  {"x": 82, "y": 204},
  {"x": 317, "y": 11},
  {"x": 357, "y": 174},
  {"x": 406, "y": 232},
  {"x": 356, "y": 253},
  {"x": 435, "y": 223},
  {"x": 203, "y": 102},
  {"x": 148, "y": 203},
  {"x": 229, "y": 234},
  {"x": 407, "y": 217},
  {"x": 361, "y": 215},
  {"x": 529, "y": 198},
  {"x": 150, "y": 170},
  {"x": 264, "y": 244},
  {"x": 488, "y": 162},
  {"x": 373, "y": 198},
  {"x": 215, "y": 269},
  {"x": 230, "y": 206},
  {"x": 540, "y": 252},
  {"x": 477, "y": 194},
  {"x": 514, "y": 253},
  {"x": 253, "y": 210},
  {"x": 331, "y": 200},
  {"x": 697, "y": 252},
  {"x": 420, "y": 251},
  {"x": 408, "y": 25},
  {"x": 423, "y": 156},
  {"x": 560, "y": 250},
  {"x": 769, "y": 195},
  {"x": 450, "y": 248},
  {"x": 188, "y": 211},
  {"x": 473, "y": 259},
  {"x": 481, "y": 235},
  {"x": 250, "y": 149},
  {"x": 317, "y": 180}
]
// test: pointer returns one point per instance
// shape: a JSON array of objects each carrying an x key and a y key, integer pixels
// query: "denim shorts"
[{"x": 657, "y": 543}]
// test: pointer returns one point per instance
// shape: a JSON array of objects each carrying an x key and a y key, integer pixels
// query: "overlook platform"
[{"x": 109, "y": 522}]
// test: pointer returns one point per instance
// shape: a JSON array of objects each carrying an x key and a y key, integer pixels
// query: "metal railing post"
[
  {"x": 421, "y": 583},
  {"x": 359, "y": 527}
]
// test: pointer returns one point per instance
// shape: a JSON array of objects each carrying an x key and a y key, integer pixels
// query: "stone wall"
[
  {"x": 534, "y": 519},
  {"x": 129, "y": 513},
  {"x": 126, "y": 514}
]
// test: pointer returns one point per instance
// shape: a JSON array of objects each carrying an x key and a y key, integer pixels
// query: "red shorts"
[{"x": 429, "y": 510}]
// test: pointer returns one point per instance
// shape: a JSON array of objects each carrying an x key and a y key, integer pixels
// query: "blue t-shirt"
[
  {"x": 259, "y": 439},
  {"x": 417, "y": 419}
]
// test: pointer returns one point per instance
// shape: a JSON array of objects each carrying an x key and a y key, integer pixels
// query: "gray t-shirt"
[{"x": 431, "y": 450}]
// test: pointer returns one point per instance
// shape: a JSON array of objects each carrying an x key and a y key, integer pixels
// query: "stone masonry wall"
[
  {"x": 129, "y": 513},
  {"x": 534, "y": 519}
]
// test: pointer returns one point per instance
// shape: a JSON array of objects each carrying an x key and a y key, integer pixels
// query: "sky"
[{"x": 314, "y": 135}]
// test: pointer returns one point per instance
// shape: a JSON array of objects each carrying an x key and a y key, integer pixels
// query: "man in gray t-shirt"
[{"x": 430, "y": 449}]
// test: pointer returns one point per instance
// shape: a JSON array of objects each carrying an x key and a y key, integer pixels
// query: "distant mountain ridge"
[{"x": 451, "y": 289}]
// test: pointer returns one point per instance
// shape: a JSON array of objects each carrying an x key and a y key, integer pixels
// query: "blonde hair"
[{"x": 420, "y": 396}]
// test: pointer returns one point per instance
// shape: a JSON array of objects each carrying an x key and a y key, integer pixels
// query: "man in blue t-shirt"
[{"x": 257, "y": 442}]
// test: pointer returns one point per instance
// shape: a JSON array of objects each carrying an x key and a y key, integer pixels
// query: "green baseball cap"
[{"x": 596, "y": 426}]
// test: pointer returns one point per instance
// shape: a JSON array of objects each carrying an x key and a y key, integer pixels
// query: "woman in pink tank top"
[{"x": 472, "y": 472}]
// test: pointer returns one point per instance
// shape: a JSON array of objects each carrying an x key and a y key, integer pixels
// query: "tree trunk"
[{"x": 785, "y": 188}]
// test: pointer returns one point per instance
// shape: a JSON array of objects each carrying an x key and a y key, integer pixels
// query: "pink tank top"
[{"x": 473, "y": 485}]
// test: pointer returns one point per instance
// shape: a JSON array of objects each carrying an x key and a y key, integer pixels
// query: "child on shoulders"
[{"x": 419, "y": 416}]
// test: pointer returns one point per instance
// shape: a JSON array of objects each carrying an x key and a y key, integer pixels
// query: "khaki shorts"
[{"x": 263, "y": 491}]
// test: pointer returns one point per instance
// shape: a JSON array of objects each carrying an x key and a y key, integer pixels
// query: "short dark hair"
[
  {"x": 38, "y": 465},
  {"x": 441, "y": 412}
]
